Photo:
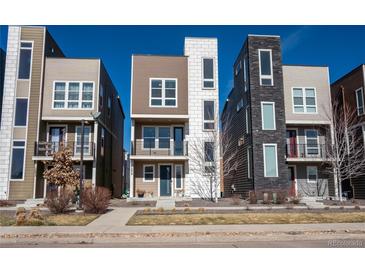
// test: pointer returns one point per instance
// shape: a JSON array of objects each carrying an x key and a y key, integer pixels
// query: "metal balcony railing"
[
  {"x": 312, "y": 151},
  {"x": 159, "y": 147},
  {"x": 50, "y": 148}
]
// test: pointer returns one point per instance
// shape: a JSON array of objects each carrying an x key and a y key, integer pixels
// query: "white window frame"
[
  {"x": 262, "y": 115},
  {"x": 214, "y": 115},
  {"x": 357, "y": 101},
  {"x": 79, "y": 101},
  {"x": 144, "y": 173},
  {"x": 363, "y": 133},
  {"x": 208, "y": 79},
  {"x": 157, "y": 137},
  {"x": 276, "y": 155},
  {"x": 271, "y": 76},
  {"x": 245, "y": 74},
  {"x": 239, "y": 105},
  {"x": 85, "y": 146},
  {"x": 304, "y": 95},
  {"x": 31, "y": 60},
  {"x": 163, "y": 93},
  {"x": 248, "y": 163},
  {"x": 306, "y": 143},
  {"x": 182, "y": 176},
  {"x": 24, "y": 157},
  {"x": 247, "y": 120},
  {"x": 308, "y": 180},
  {"x": 26, "y": 122}
]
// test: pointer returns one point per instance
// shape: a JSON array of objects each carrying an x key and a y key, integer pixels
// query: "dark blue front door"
[{"x": 165, "y": 180}]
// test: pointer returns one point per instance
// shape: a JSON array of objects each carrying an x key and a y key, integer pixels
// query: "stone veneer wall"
[
  {"x": 196, "y": 49},
  {"x": 8, "y": 108}
]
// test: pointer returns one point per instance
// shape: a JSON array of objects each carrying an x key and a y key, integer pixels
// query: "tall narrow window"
[
  {"x": 109, "y": 106},
  {"x": 245, "y": 74},
  {"x": 247, "y": 120},
  {"x": 363, "y": 133},
  {"x": 360, "y": 101},
  {"x": 87, "y": 131},
  {"x": 17, "y": 160},
  {"x": 209, "y": 122},
  {"x": 304, "y": 100},
  {"x": 248, "y": 163},
  {"x": 268, "y": 115},
  {"x": 21, "y": 112},
  {"x": 87, "y": 95},
  {"x": 312, "y": 174},
  {"x": 25, "y": 60},
  {"x": 178, "y": 176},
  {"x": 312, "y": 144},
  {"x": 238, "y": 68},
  {"x": 101, "y": 96},
  {"x": 209, "y": 157},
  {"x": 163, "y": 137},
  {"x": 59, "y": 95},
  {"x": 270, "y": 160},
  {"x": 149, "y": 134},
  {"x": 73, "y": 95},
  {"x": 266, "y": 71},
  {"x": 102, "y": 141},
  {"x": 208, "y": 73}
]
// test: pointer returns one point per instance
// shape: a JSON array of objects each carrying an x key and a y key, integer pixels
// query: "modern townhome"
[
  {"x": 47, "y": 98},
  {"x": 174, "y": 112},
  {"x": 349, "y": 90},
  {"x": 278, "y": 117}
]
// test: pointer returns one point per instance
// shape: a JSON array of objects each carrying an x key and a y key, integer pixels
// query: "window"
[
  {"x": 360, "y": 101},
  {"x": 102, "y": 141},
  {"x": 312, "y": 145},
  {"x": 245, "y": 78},
  {"x": 109, "y": 106},
  {"x": 149, "y": 135},
  {"x": 178, "y": 176},
  {"x": 163, "y": 93},
  {"x": 239, "y": 105},
  {"x": 163, "y": 137},
  {"x": 268, "y": 115},
  {"x": 208, "y": 73},
  {"x": 148, "y": 173},
  {"x": 17, "y": 160},
  {"x": 238, "y": 68},
  {"x": 363, "y": 133},
  {"x": 21, "y": 112},
  {"x": 265, "y": 64},
  {"x": 248, "y": 163},
  {"x": 209, "y": 151},
  {"x": 247, "y": 120},
  {"x": 101, "y": 96},
  {"x": 209, "y": 123},
  {"x": 304, "y": 100},
  {"x": 270, "y": 160},
  {"x": 312, "y": 174},
  {"x": 25, "y": 60},
  {"x": 73, "y": 95},
  {"x": 87, "y": 133}
]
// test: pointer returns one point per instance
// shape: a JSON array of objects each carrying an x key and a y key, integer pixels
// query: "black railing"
[
  {"x": 159, "y": 147},
  {"x": 50, "y": 148},
  {"x": 306, "y": 151}
]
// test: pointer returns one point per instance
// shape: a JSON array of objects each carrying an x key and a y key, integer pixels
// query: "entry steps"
[
  {"x": 312, "y": 202},
  {"x": 165, "y": 203}
]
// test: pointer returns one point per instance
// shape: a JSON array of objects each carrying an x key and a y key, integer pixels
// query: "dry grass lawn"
[{"x": 247, "y": 218}]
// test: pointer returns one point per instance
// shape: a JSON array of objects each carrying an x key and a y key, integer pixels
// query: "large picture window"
[
  {"x": 73, "y": 95},
  {"x": 304, "y": 100},
  {"x": 208, "y": 73},
  {"x": 209, "y": 114},
  {"x": 265, "y": 64},
  {"x": 360, "y": 101},
  {"x": 21, "y": 112},
  {"x": 17, "y": 160},
  {"x": 270, "y": 160},
  {"x": 163, "y": 93},
  {"x": 268, "y": 115},
  {"x": 25, "y": 60}
]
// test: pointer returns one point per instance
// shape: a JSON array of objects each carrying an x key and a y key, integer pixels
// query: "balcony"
[
  {"x": 159, "y": 148},
  {"x": 48, "y": 149},
  {"x": 305, "y": 152}
]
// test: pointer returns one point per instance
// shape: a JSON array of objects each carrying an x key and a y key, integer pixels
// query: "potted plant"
[{"x": 140, "y": 193}]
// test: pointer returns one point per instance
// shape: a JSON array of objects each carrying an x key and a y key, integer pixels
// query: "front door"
[
  {"x": 292, "y": 180},
  {"x": 165, "y": 180},
  {"x": 178, "y": 141},
  {"x": 56, "y": 137},
  {"x": 292, "y": 146}
]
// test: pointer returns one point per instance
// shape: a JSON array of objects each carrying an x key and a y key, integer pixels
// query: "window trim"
[
  {"x": 208, "y": 79},
  {"x": 304, "y": 101},
  {"x": 31, "y": 60},
  {"x": 239, "y": 105},
  {"x": 306, "y": 143},
  {"x": 271, "y": 76},
  {"x": 157, "y": 137},
  {"x": 24, "y": 158},
  {"x": 245, "y": 73},
  {"x": 163, "y": 92},
  {"x": 27, "y": 118},
  {"x": 357, "y": 102},
  {"x": 307, "y": 171},
  {"x": 89, "y": 148},
  {"x": 214, "y": 115},
  {"x": 363, "y": 133},
  {"x": 182, "y": 177},
  {"x": 276, "y": 155},
  {"x": 262, "y": 114},
  {"x": 144, "y": 173},
  {"x": 247, "y": 120},
  {"x": 248, "y": 151},
  {"x": 67, "y": 82}
]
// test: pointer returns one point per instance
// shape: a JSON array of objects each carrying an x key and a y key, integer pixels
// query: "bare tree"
[
  {"x": 211, "y": 157},
  {"x": 345, "y": 153}
]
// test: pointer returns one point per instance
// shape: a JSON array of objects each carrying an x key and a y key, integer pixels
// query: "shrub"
[
  {"x": 20, "y": 216},
  {"x": 186, "y": 204},
  {"x": 201, "y": 209},
  {"x": 342, "y": 208},
  {"x": 295, "y": 200},
  {"x": 34, "y": 218},
  {"x": 357, "y": 207},
  {"x": 186, "y": 209},
  {"x": 252, "y": 197},
  {"x": 236, "y": 200},
  {"x": 281, "y": 197},
  {"x": 96, "y": 200},
  {"x": 327, "y": 208},
  {"x": 4, "y": 203},
  {"x": 160, "y": 209},
  {"x": 59, "y": 202},
  {"x": 146, "y": 210}
]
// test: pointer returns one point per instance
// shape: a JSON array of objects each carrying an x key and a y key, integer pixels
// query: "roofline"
[
  {"x": 208, "y": 38},
  {"x": 300, "y": 65},
  {"x": 160, "y": 55},
  {"x": 263, "y": 35},
  {"x": 347, "y": 74},
  {"x": 74, "y": 58}
]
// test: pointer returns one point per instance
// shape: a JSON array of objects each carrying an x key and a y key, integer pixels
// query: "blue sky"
[{"x": 340, "y": 47}]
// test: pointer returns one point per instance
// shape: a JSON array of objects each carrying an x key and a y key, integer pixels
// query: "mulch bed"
[{"x": 344, "y": 203}]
